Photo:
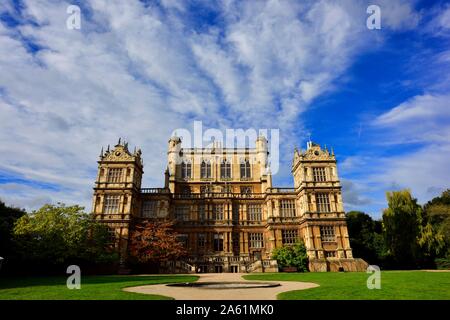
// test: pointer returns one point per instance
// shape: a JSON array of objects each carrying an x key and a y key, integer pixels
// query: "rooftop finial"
[
  {"x": 101, "y": 153},
  {"x": 309, "y": 143},
  {"x": 119, "y": 141}
]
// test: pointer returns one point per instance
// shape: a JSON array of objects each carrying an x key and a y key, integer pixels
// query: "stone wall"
[{"x": 336, "y": 265}]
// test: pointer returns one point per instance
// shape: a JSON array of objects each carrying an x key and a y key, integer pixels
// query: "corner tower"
[
  {"x": 117, "y": 190},
  {"x": 324, "y": 230}
]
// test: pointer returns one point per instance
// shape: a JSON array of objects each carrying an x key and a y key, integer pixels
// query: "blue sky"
[{"x": 142, "y": 69}]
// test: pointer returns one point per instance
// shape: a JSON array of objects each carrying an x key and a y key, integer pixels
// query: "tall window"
[
  {"x": 205, "y": 169},
  {"x": 256, "y": 240},
  {"x": 287, "y": 208},
  {"x": 186, "y": 169},
  {"x": 245, "y": 169},
  {"x": 319, "y": 174},
  {"x": 289, "y": 236},
  {"x": 111, "y": 235},
  {"x": 254, "y": 212},
  {"x": 111, "y": 204},
  {"x": 183, "y": 238},
  {"x": 201, "y": 212},
  {"x": 323, "y": 202},
  {"x": 115, "y": 175},
  {"x": 149, "y": 209},
  {"x": 201, "y": 240},
  {"x": 327, "y": 233},
  {"x": 225, "y": 169},
  {"x": 218, "y": 211},
  {"x": 182, "y": 213},
  {"x": 218, "y": 241}
]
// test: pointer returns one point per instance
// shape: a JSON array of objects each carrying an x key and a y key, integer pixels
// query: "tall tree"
[
  {"x": 437, "y": 217},
  {"x": 155, "y": 242},
  {"x": 366, "y": 237},
  {"x": 8, "y": 216},
  {"x": 401, "y": 223}
]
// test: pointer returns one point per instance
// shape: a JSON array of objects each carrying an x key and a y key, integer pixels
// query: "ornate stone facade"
[{"x": 228, "y": 214}]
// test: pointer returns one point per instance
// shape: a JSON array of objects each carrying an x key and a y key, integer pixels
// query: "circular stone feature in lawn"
[{"x": 225, "y": 285}]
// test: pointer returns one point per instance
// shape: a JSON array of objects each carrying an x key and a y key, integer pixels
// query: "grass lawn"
[
  {"x": 92, "y": 287},
  {"x": 352, "y": 286}
]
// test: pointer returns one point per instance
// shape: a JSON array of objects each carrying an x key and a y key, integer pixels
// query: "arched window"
[
  {"x": 245, "y": 169},
  {"x": 225, "y": 169},
  {"x": 185, "y": 169},
  {"x": 205, "y": 169}
]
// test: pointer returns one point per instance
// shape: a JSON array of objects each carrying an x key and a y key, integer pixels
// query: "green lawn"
[
  {"x": 346, "y": 286},
  {"x": 92, "y": 287}
]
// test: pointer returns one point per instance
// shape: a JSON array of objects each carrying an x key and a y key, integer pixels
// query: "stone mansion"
[{"x": 228, "y": 215}]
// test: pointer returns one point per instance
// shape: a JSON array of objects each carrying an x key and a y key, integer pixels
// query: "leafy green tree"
[
  {"x": 292, "y": 256},
  {"x": 436, "y": 235},
  {"x": 366, "y": 237},
  {"x": 401, "y": 224},
  {"x": 60, "y": 234}
]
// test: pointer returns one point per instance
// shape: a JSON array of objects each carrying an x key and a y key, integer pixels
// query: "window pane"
[
  {"x": 149, "y": 209},
  {"x": 254, "y": 212},
  {"x": 319, "y": 174},
  {"x": 323, "y": 202},
  {"x": 256, "y": 240},
  {"x": 327, "y": 233},
  {"x": 111, "y": 204},
  {"x": 115, "y": 175},
  {"x": 287, "y": 208},
  {"x": 289, "y": 236},
  {"x": 182, "y": 213}
]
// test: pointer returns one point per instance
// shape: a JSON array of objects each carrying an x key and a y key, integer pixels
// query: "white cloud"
[
  {"x": 140, "y": 72},
  {"x": 399, "y": 15},
  {"x": 414, "y": 152},
  {"x": 426, "y": 171},
  {"x": 424, "y": 118}
]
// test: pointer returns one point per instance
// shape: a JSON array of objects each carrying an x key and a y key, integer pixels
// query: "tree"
[
  {"x": 155, "y": 242},
  {"x": 366, "y": 237},
  {"x": 57, "y": 234},
  {"x": 401, "y": 226},
  {"x": 437, "y": 229},
  {"x": 292, "y": 256},
  {"x": 8, "y": 216}
]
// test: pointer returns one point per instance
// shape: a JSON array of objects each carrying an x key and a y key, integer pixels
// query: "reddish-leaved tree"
[{"x": 155, "y": 242}]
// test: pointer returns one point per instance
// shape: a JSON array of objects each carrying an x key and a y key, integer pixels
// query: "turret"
[{"x": 262, "y": 153}]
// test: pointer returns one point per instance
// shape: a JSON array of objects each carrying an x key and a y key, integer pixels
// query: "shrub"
[{"x": 292, "y": 256}]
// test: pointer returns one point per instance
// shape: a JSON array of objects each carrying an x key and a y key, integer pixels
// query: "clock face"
[
  {"x": 117, "y": 153},
  {"x": 316, "y": 153}
]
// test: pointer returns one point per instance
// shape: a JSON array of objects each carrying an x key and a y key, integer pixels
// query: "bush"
[
  {"x": 292, "y": 256},
  {"x": 442, "y": 263}
]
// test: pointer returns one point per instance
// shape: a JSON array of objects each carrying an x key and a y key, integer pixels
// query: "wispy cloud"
[{"x": 142, "y": 69}]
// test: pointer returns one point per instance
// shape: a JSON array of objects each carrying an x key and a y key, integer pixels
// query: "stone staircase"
[{"x": 176, "y": 267}]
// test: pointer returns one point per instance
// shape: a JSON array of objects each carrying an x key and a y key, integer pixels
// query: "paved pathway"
[{"x": 189, "y": 293}]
